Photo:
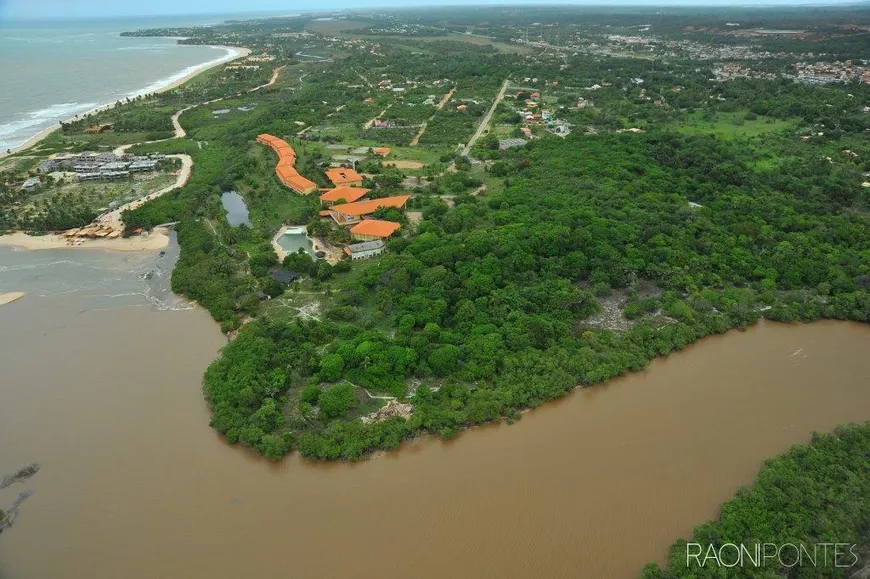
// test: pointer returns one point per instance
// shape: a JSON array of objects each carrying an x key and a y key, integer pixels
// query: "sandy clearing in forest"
[{"x": 403, "y": 164}]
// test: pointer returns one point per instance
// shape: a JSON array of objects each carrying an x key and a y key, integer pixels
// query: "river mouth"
[{"x": 105, "y": 393}]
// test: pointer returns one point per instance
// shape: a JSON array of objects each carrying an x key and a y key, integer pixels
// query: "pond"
[
  {"x": 296, "y": 238},
  {"x": 237, "y": 211}
]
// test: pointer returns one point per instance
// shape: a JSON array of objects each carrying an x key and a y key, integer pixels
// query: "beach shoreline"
[
  {"x": 156, "y": 240},
  {"x": 235, "y": 53}
]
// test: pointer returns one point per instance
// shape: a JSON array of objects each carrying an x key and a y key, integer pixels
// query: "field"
[{"x": 733, "y": 125}]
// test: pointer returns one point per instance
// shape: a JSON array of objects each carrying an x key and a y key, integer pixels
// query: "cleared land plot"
[
  {"x": 403, "y": 164},
  {"x": 732, "y": 125}
]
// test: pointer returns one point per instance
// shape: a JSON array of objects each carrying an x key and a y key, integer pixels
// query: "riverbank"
[
  {"x": 157, "y": 239},
  {"x": 468, "y": 505},
  {"x": 233, "y": 53}
]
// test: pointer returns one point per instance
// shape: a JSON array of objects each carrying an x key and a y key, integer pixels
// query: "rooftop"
[
  {"x": 367, "y": 246},
  {"x": 349, "y": 194},
  {"x": 375, "y": 228},
  {"x": 371, "y": 205},
  {"x": 343, "y": 176}
]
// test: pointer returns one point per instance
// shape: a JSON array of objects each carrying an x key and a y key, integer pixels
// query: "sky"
[{"x": 46, "y": 9}]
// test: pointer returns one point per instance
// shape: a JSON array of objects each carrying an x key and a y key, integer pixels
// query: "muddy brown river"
[{"x": 105, "y": 395}]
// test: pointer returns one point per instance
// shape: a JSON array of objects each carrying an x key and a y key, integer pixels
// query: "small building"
[
  {"x": 31, "y": 185},
  {"x": 285, "y": 276},
  {"x": 364, "y": 250},
  {"x": 462, "y": 108},
  {"x": 343, "y": 194},
  {"x": 382, "y": 151},
  {"x": 373, "y": 229},
  {"x": 344, "y": 176}
]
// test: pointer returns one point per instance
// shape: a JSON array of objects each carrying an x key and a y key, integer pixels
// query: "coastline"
[
  {"x": 157, "y": 239},
  {"x": 234, "y": 53}
]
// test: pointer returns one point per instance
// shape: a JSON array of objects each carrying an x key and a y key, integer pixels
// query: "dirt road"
[{"x": 485, "y": 122}]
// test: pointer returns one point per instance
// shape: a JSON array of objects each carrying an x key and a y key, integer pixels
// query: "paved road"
[{"x": 485, "y": 122}]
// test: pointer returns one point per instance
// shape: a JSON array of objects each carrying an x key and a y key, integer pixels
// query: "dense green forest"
[
  {"x": 815, "y": 493},
  {"x": 678, "y": 206},
  {"x": 490, "y": 300}
]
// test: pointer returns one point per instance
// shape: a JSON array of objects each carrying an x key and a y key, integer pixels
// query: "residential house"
[
  {"x": 364, "y": 250},
  {"x": 372, "y": 229}
]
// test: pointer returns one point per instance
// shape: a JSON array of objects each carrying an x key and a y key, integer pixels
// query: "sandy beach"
[
  {"x": 237, "y": 53},
  {"x": 10, "y": 297},
  {"x": 157, "y": 239}
]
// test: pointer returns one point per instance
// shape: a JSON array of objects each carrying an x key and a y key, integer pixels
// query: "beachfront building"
[
  {"x": 364, "y": 250},
  {"x": 352, "y": 213},
  {"x": 286, "y": 168},
  {"x": 49, "y": 166},
  {"x": 139, "y": 166},
  {"x": 374, "y": 229},
  {"x": 344, "y": 176},
  {"x": 343, "y": 194}
]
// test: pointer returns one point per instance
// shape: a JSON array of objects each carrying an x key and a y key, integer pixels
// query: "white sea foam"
[
  {"x": 19, "y": 130},
  {"x": 29, "y": 124}
]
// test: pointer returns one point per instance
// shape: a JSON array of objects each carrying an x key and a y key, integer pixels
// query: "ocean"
[{"x": 56, "y": 69}]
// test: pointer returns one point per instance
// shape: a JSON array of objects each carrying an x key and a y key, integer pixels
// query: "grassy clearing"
[{"x": 732, "y": 125}]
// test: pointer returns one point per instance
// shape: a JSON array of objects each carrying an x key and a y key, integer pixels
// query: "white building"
[{"x": 365, "y": 250}]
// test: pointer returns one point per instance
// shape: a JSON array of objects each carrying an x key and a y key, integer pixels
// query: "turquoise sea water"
[{"x": 54, "y": 70}]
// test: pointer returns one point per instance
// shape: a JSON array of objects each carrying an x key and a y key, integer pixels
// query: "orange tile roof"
[
  {"x": 286, "y": 167},
  {"x": 383, "y": 151},
  {"x": 324, "y": 213},
  {"x": 369, "y": 206},
  {"x": 342, "y": 176},
  {"x": 375, "y": 228},
  {"x": 349, "y": 194}
]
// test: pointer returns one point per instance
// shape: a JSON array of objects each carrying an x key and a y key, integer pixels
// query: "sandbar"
[
  {"x": 157, "y": 239},
  {"x": 10, "y": 297}
]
